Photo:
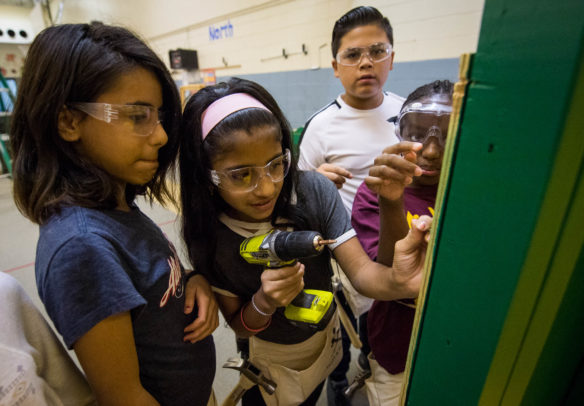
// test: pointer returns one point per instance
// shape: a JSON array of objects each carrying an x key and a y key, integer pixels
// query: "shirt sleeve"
[
  {"x": 365, "y": 220},
  {"x": 334, "y": 220},
  {"x": 86, "y": 281},
  {"x": 312, "y": 152}
]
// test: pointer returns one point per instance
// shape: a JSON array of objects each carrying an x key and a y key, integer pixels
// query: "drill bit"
[
  {"x": 319, "y": 243},
  {"x": 326, "y": 242}
]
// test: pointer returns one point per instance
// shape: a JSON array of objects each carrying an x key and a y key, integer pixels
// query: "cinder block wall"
[
  {"x": 301, "y": 93},
  {"x": 248, "y": 38},
  {"x": 257, "y": 30}
]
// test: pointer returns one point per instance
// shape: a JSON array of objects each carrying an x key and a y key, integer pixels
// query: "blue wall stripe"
[{"x": 301, "y": 93}]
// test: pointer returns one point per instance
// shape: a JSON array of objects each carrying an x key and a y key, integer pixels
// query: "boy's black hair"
[
  {"x": 77, "y": 63},
  {"x": 437, "y": 87},
  {"x": 357, "y": 17},
  {"x": 201, "y": 204}
]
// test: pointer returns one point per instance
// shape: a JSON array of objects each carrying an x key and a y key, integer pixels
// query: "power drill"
[{"x": 312, "y": 308}]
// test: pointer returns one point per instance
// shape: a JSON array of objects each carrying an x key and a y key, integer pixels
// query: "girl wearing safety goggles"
[
  {"x": 399, "y": 197},
  {"x": 239, "y": 180},
  {"x": 88, "y": 137}
]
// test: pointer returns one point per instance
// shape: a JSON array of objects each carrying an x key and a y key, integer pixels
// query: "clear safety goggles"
[
  {"x": 137, "y": 118},
  {"x": 248, "y": 178},
  {"x": 376, "y": 53},
  {"x": 418, "y": 122}
]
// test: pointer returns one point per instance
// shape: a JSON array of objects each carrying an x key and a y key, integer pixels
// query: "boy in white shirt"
[{"x": 342, "y": 139}]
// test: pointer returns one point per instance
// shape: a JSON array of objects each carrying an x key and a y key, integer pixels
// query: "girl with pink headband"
[{"x": 238, "y": 179}]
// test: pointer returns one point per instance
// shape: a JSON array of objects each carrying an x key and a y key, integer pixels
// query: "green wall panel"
[
  {"x": 563, "y": 353},
  {"x": 521, "y": 85},
  {"x": 549, "y": 347}
]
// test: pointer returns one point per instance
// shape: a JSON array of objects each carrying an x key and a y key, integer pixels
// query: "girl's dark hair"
[
  {"x": 77, "y": 63},
  {"x": 437, "y": 87},
  {"x": 357, "y": 17},
  {"x": 201, "y": 204}
]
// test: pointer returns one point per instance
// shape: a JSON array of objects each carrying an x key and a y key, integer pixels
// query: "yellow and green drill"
[{"x": 311, "y": 308}]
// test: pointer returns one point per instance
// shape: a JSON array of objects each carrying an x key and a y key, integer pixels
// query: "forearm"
[
  {"x": 248, "y": 320},
  {"x": 393, "y": 226},
  {"x": 379, "y": 282},
  {"x": 108, "y": 356},
  {"x": 137, "y": 396},
  {"x": 373, "y": 279}
]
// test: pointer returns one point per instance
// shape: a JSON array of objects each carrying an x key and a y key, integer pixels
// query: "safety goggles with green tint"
[{"x": 140, "y": 119}]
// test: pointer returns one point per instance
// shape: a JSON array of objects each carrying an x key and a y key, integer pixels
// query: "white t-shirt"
[
  {"x": 350, "y": 138},
  {"x": 35, "y": 369}
]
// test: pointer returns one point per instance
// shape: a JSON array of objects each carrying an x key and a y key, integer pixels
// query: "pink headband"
[{"x": 225, "y": 106}]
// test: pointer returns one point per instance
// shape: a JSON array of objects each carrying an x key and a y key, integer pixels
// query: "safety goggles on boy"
[
  {"x": 140, "y": 119},
  {"x": 419, "y": 121},
  {"x": 376, "y": 53},
  {"x": 247, "y": 179}
]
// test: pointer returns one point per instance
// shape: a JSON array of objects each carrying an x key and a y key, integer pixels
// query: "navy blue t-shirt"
[{"x": 92, "y": 264}]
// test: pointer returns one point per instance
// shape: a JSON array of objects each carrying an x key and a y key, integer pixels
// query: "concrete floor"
[{"x": 18, "y": 238}]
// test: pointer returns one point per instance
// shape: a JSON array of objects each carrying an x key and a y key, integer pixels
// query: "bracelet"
[
  {"x": 252, "y": 330},
  {"x": 257, "y": 309}
]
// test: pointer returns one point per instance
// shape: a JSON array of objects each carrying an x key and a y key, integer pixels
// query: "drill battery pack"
[{"x": 313, "y": 309}]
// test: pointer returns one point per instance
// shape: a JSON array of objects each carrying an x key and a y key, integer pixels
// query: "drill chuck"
[
  {"x": 282, "y": 248},
  {"x": 295, "y": 245}
]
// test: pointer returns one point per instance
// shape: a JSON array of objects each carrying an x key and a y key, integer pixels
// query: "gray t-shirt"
[{"x": 318, "y": 208}]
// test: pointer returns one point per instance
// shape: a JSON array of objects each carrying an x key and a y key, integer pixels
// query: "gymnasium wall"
[
  {"x": 249, "y": 39},
  {"x": 303, "y": 92}
]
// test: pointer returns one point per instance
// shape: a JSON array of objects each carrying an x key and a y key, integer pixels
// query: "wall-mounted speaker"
[{"x": 183, "y": 59}]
